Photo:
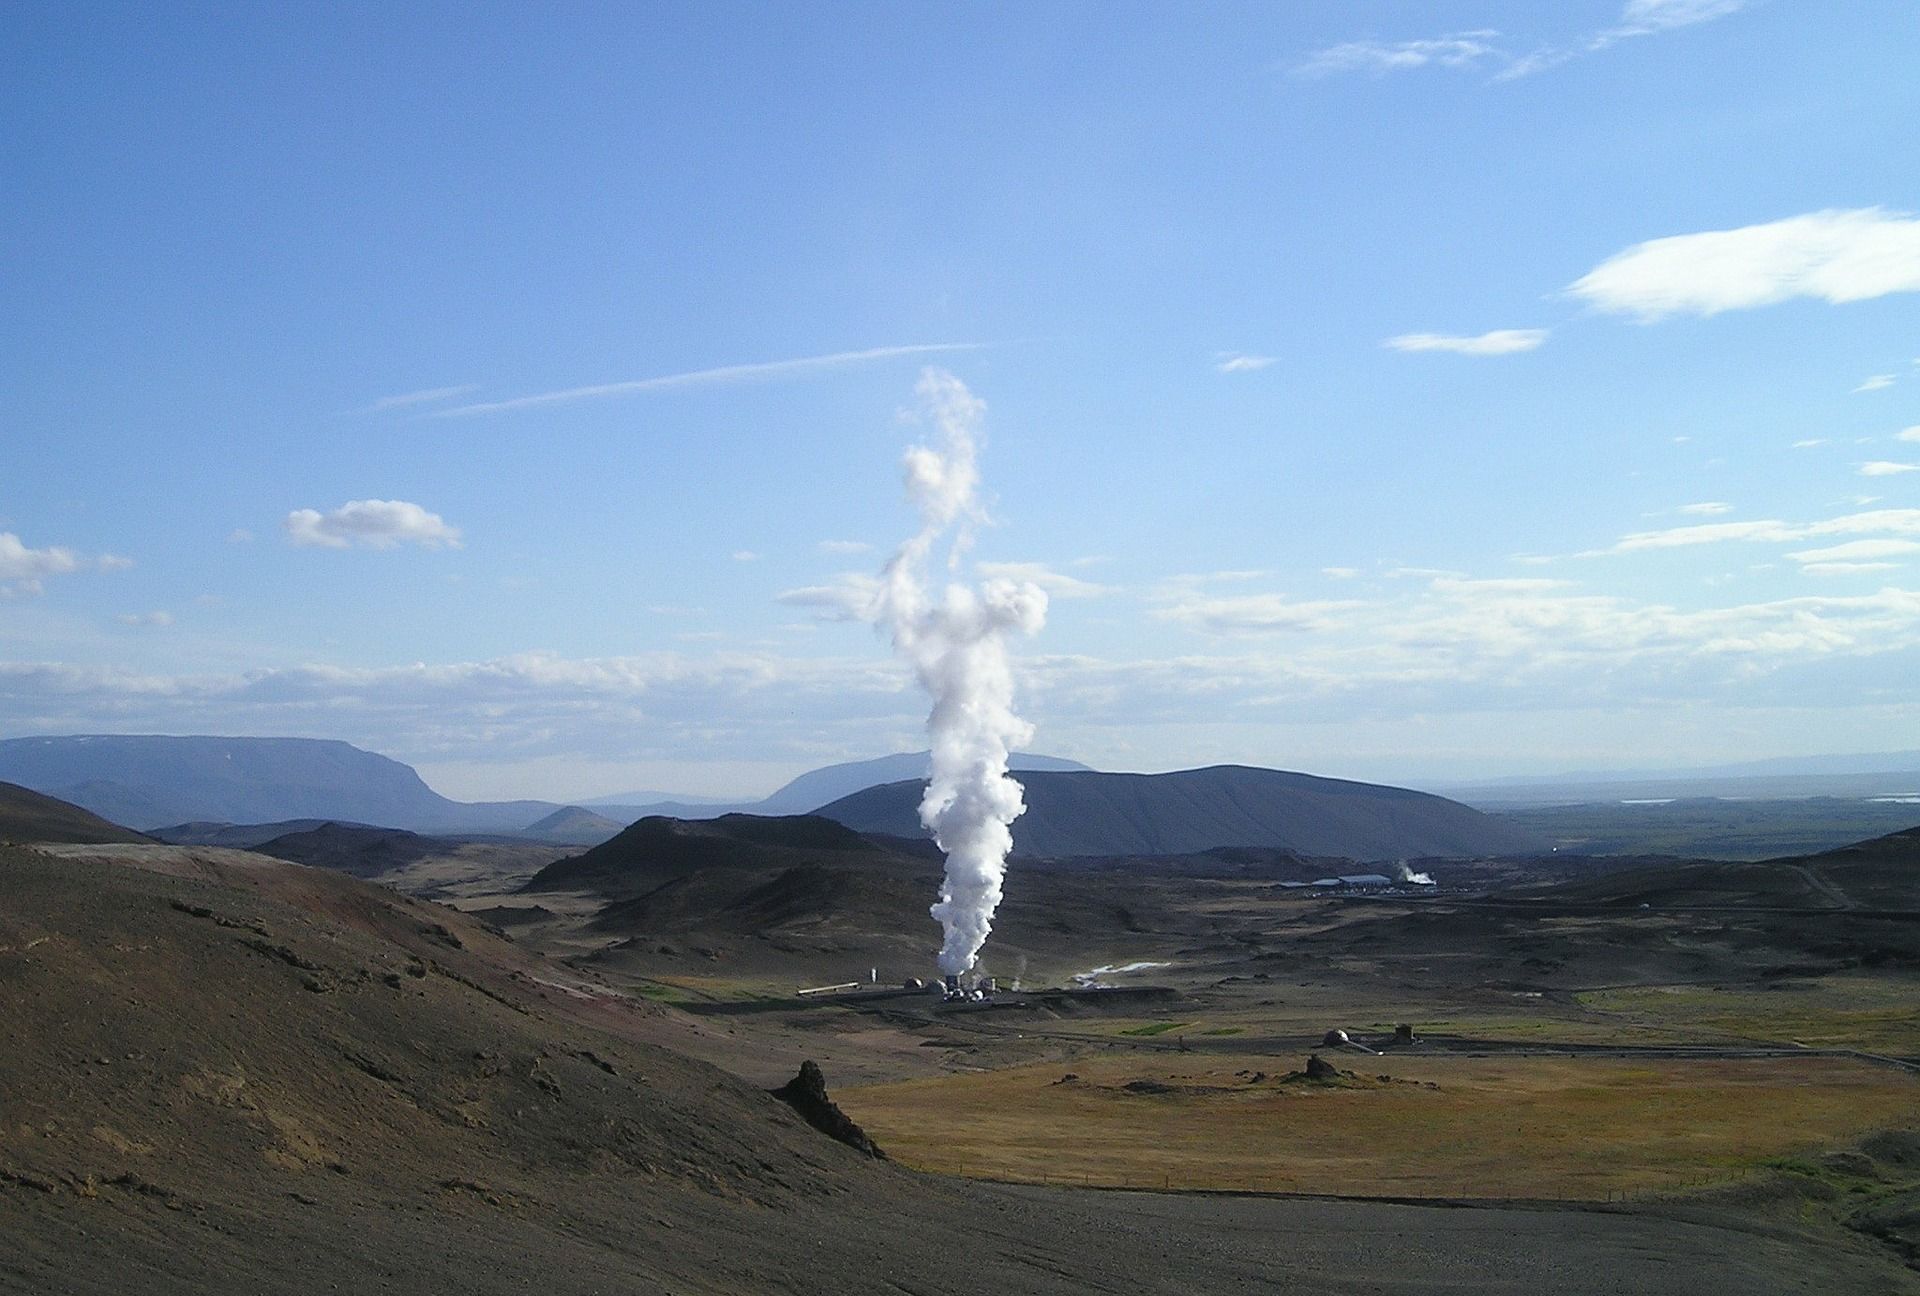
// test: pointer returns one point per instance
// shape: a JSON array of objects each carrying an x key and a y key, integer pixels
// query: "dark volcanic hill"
[
  {"x": 658, "y": 850},
  {"x": 351, "y": 848},
  {"x": 150, "y": 780},
  {"x": 574, "y": 826},
  {"x": 29, "y": 816},
  {"x": 1087, "y": 813}
]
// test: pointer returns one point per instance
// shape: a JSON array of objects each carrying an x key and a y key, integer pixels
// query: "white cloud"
[
  {"x": 239, "y": 535},
  {"x": 745, "y": 555},
  {"x": 1908, "y": 434},
  {"x": 1229, "y": 362},
  {"x": 1465, "y": 49},
  {"x": 375, "y": 524},
  {"x": 1831, "y": 256},
  {"x": 1706, "y": 508},
  {"x": 707, "y": 377},
  {"x": 24, "y": 569},
  {"x": 1340, "y": 573},
  {"x": 18, "y": 562},
  {"x": 1857, "y": 551},
  {"x": 845, "y": 547},
  {"x": 1497, "y": 342},
  {"x": 1886, "y": 468},
  {"x": 1879, "y": 382},
  {"x": 157, "y": 618},
  {"x": 1809, "y": 443}
]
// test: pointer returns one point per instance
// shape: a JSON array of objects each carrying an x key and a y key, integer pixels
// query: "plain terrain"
[{"x": 239, "y": 1072}]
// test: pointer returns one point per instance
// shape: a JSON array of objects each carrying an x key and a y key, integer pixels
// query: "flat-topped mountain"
[
  {"x": 1072, "y": 813},
  {"x": 149, "y": 780}
]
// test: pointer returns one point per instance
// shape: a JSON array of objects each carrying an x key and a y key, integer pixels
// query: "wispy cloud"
[
  {"x": 745, "y": 556},
  {"x": 1253, "y": 613},
  {"x": 1886, "y": 468},
  {"x": 845, "y": 547},
  {"x": 1809, "y": 443},
  {"x": 1232, "y": 362},
  {"x": 1908, "y": 434},
  {"x": 1498, "y": 342},
  {"x": 1651, "y": 17},
  {"x": 850, "y": 596},
  {"x": 1878, "y": 382},
  {"x": 1854, "y": 551},
  {"x": 1706, "y": 508},
  {"x": 1467, "y": 49},
  {"x": 1831, "y": 256},
  {"x": 155, "y": 620},
  {"x": 707, "y": 377},
  {"x": 427, "y": 396},
  {"x": 372, "y": 524},
  {"x": 1876, "y": 522},
  {"x": 1056, "y": 583},
  {"x": 1485, "y": 49}
]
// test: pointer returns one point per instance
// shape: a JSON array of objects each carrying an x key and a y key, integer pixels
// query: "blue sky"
[{"x": 1404, "y": 391}]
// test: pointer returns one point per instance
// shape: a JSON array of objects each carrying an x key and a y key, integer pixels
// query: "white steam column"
[{"x": 956, "y": 642}]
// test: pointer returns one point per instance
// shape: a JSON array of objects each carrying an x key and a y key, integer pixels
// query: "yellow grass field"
[
  {"x": 1580, "y": 1129},
  {"x": 1875, "y": 1014}
]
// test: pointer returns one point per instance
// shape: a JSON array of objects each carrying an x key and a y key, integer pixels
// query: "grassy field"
[
  {"x": 1874, "y": 1014},
  {"x": 1433, "y": 1127}
]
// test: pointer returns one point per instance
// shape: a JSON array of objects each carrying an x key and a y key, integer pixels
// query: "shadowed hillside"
[
  {"x": 28, "y": 816},
  {"x": 1088, "y": 813},
  {"x": 1880, "y": 874}
]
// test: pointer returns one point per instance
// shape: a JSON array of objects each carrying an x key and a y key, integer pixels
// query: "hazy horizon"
[{"x": 1418, "y": 394}]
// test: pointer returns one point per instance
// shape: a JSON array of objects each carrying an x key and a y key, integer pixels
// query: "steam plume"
[
  {"x": 956, "y": 642},
  {"x": 1401, "y": 873}
]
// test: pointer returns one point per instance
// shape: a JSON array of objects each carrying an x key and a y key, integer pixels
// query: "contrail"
[
  {"x": 704, "y": 377},
  {"x": 956, "y": 643}
]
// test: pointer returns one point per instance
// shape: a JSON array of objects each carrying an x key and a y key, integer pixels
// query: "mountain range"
[
  {"x": 196, "y": 789},
  {"x": 815, "y": 788}
]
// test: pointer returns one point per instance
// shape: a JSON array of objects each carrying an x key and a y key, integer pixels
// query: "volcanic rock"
[{"x": 806, "y": 1093}]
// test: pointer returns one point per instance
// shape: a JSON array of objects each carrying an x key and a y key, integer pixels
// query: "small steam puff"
[{"x": 957, "y": 644}]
